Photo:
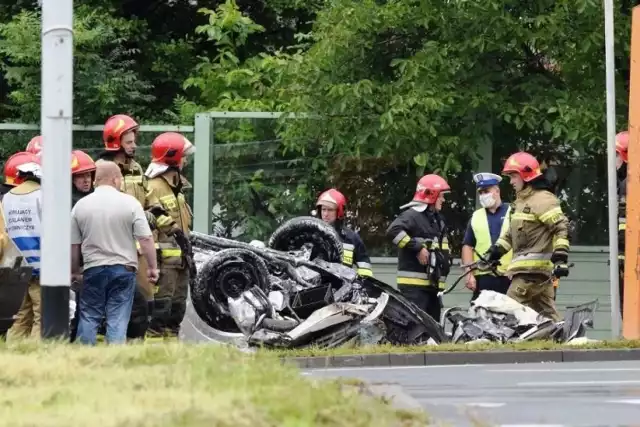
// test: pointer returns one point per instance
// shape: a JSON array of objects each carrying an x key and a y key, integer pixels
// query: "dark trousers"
[
  {"x": 489, "y": 282},
  {"x": 108, "y": 293},
  {"x": 426, "y": 298}
]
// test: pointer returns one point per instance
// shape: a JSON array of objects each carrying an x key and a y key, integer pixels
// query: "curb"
[{"x": 462, "y": 358}]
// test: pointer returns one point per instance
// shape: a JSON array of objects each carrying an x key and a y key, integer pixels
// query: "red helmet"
[
  {"x": 12, "y": 163},
  {"x": 81, "y": 162},
  {"x": 622, "y": 145},
  {"x": 35, "y": 145},
  {"x": 332, "y": 198},
  {"x": 524, "y": 164},
  {"x": 114, "y": 128},
  {"x": 429, "y": 188},
  {"x": 170, "y": 148}
]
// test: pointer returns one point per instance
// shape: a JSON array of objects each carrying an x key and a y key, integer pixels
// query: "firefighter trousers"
[
  {"x": 426, "y": 298},
  {"x": 170, "y": 302},
  {"x": 535, "y": 291},
  {"x": 27, "y": 321}
]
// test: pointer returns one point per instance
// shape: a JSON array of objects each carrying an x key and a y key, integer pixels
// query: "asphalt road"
[{"x": 563, "y": 394}]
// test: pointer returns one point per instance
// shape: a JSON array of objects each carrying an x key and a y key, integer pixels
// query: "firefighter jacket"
[
  {"x": 354, "y": 252},
  {"x": 537, "y": 229},
  {"x": 622, "y": 216},
  {"x": 416, "y": 228},
  {"x": 76, "y": 195},
  {"x": 168, "y": 188}
]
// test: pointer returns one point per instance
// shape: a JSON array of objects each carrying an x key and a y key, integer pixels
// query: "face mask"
[{"x": 487, "y": 200}]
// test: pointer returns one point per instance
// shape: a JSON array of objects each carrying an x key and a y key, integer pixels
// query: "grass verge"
[
  {"x": 174, "y": 384},
  {"x": 523, "y": 346}
]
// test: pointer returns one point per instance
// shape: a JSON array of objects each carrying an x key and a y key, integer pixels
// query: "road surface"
[{"x": 540, "y": 394}]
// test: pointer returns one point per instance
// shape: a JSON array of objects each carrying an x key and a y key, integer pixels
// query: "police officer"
[
  {"x": 169, "y": 153},
  {"x": 483, "y": 230},
  {"x": 537, "y": 234},
  {"x": 622, "y": 158},
  {"x": 331, "y": 207},
  {"x": 119, "y": 138},
  {"x": 23, "y": 205},
  {"x": 423, "y": 247}
]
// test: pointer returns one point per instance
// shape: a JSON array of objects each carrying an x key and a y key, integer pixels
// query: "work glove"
[
  {"x": 151, "y": 219},
  {"x": 494, "y": 253},
  {"x": 560, "y": 267}
]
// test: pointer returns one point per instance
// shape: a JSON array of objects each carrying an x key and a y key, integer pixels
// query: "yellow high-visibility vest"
[{"x": 480, "y": 227}]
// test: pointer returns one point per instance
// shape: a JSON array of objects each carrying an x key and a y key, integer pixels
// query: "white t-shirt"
[{"x": 107, "y": 223}]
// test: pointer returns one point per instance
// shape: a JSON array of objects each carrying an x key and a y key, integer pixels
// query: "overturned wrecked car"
[{"x": 294, "y": 292}]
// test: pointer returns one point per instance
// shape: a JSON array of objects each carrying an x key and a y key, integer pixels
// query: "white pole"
[
  {"x": 56, "y": 119},
  {"x": 611, "y": 170}
]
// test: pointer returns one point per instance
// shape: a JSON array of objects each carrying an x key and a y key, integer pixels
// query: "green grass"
[
  {"x": 524, "y": 346},
  {"x": 173, "y": 384}
]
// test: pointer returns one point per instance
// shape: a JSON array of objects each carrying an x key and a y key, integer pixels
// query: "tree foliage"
[{"x": 393, "y": 89}]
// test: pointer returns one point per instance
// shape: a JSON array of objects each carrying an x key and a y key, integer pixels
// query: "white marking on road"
[
  {"x": 486, "y": 404},
  {"x": 627, "y": 401},
  {"x": 565, "y": 370},
  {"x": 531, "y": 425},
  {"x": 576, "y": 383},
  {"x": 389, "y": 368}
]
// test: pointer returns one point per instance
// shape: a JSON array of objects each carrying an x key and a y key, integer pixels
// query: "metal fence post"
[{"x": 202, "y": 179}]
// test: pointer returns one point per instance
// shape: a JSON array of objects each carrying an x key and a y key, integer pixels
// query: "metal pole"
[
  {"x": 611, "y": 169},
  {"x": 56, "y": 120}
]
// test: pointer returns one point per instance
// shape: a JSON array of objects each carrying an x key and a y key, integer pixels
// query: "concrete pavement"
[{"x": 542, "y": 394}]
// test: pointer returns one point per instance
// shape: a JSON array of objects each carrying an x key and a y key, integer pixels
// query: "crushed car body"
[{"x": 294, "y": 292}]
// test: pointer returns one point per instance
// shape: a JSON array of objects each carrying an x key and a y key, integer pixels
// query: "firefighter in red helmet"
[
  {"x": 169, "y": 154},
  {"x": 420, "y": 234},
  {"x": 119, "y": 139},
  {"x": 83, "y": 170},
  {"x": 622, "y": 159},
  {"x": 35, "y": 145},
  {"x": 538, "y": 236},
  {"x": 331, "y": 207}
]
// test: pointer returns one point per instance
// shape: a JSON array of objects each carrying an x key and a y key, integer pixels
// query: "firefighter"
[
  {"x": 35, "y": 145},
  {"x": 622, "y": 157},
  {"x": 23, "y": 205},
  {"x": 423, "y": 247},
  {"x": 331, "y": 207},
  {"x": 119, "y": 138},
  {"x": 485, "y": 226},
  {"x": 537, "y": 234},
  {"x": 169, "y": 153},
  {"x": 83, "y": 170}
]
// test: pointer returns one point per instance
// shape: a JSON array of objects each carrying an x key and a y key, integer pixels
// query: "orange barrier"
[{"x": 631, "y": 318}]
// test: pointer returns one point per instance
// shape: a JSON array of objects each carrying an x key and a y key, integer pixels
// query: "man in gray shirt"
[{"x": 104, "y": 228}]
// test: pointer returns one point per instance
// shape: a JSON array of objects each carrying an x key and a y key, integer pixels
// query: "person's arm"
[
  {"x": 399, "y": 231},
  {"x": 363, "y": 262},
  {"x": 142, "y": 233},
  {"x": 553, "y": 217},
  {"x": 76, "y": 244},
  {"x": 468, "y": 243}
]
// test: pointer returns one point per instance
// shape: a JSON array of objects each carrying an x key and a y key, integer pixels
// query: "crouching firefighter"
[
  {"x": 83, "y": 172},
  {"x": 119, "y": 138},
  {"x": 331, "y": 207},
  {"x": 622, "y": 157},
  {"x": 23, "y": 205},
  {"x": 537, "y": 234},
  {"x": 423, "y": 247},
  {"x": 169, "y": 153}
]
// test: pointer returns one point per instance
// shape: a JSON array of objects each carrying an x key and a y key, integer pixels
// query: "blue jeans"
[{"x": 107, "y": 292}]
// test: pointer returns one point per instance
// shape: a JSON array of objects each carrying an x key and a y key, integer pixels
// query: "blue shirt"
[{"x": 495, "y": 225}]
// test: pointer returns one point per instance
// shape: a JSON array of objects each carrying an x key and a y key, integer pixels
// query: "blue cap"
[{"x": 485, "y": 179}]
